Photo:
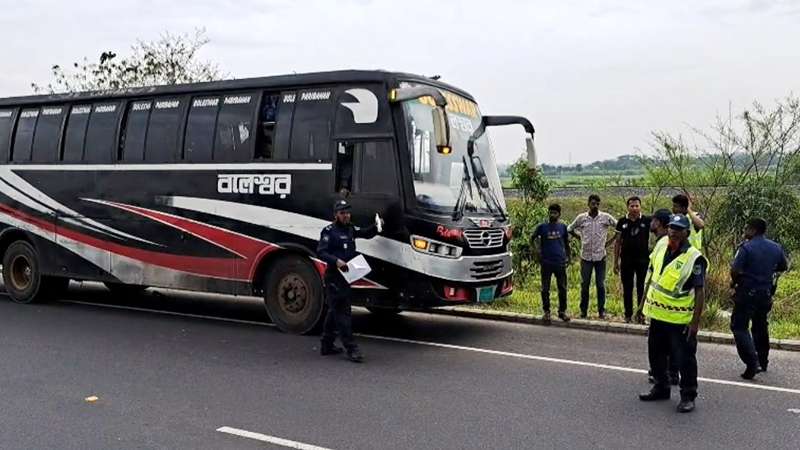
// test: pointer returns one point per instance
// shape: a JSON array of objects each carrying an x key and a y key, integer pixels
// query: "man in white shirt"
[{"x": 591, "y": 228}]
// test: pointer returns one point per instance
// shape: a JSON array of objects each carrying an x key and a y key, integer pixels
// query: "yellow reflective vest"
[
  {"x": 667, "y": 300},
  {"x": 696, "y": 238}
]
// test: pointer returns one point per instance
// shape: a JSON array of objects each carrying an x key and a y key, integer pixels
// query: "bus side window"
[
  {"x": 7, "y": 118},
  {"x": 367, "y": 167},
  {"x": 234, "y": 140},
  {"x": 377, "y": 168},
  {"x": 163, "y": 130},
  {"x": 344, "y": 166},
  {"x": 48, "y": 134},
  {"x": 200, "y": 128},
  {"x": 23, "y": 138},
  {"x": 311, "y": 132},
  {"x": 75, "y": 135},
  {"x": 135, "y": 131},
  {"x": 268, "y": 126},
  {"x": 101, "y": 133}
]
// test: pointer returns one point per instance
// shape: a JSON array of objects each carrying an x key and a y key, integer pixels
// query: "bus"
[{"x": 225, "y": 186}]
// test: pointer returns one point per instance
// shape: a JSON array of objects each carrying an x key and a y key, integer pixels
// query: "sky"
[{"x": 594, "y": 77}]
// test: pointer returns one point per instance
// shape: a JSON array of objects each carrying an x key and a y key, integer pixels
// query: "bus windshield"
[{"x": 438, "y": 178}]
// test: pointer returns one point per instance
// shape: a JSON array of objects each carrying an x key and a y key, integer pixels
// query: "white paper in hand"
[{"x": 357, "y": 268}]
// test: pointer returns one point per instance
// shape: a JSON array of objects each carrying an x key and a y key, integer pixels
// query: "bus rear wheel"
[
  {"x": 293, "y": 295},
  {"x": 22, "y": 275}
]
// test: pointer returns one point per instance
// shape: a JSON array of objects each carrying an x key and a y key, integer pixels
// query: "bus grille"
[
  {"x": 484, "y": 270},
  {"x": 484, "y": 238}
]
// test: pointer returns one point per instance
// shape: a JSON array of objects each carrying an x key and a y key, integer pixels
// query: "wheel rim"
[
  {"x": 293, "y": 294},
  {"x": 21, "y": 273}
]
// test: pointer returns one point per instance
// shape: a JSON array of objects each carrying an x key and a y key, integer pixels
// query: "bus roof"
[{"x": 276, "y": 82}]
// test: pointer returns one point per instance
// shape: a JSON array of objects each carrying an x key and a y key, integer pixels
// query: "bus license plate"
[{"x": 486, "y": 294}]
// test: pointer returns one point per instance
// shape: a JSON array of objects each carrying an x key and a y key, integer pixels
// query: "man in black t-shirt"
[{"x": 632, "y": 253}]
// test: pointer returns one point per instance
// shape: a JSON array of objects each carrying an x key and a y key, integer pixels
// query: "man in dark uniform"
[
  {"x": 337, "y": 246},
  {"x": 752, "y": 277},
  {"x": 674, "y": 303}
]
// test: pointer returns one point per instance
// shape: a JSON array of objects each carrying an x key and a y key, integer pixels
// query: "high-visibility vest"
[
  {"x": 696, "y": 238},
  {"x": 661, "y": 242},
  {"x": 667, "y": 300}
]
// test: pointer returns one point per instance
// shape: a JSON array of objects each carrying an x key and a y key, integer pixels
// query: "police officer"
[
  {"x": 674, "y": 304},
  {"x": 659, "y": 226},
  {"x": 337, "y": 246},
  {"x": 752, "y": 273}
]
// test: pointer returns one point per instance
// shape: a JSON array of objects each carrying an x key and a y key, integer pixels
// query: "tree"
[
  {"x": 743, "y": 167},
  {"x": 171, "y": 59},
  {"x": 527, "y": 212}
]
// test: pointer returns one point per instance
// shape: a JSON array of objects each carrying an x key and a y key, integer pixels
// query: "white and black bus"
[{"x": 225, "y": 186}]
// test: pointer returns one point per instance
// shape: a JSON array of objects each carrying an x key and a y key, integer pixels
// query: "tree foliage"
[
  {"x": 744, "y": 166},
  {"x": 171, "y": 59},
  {"x": 526, "y": 213}
]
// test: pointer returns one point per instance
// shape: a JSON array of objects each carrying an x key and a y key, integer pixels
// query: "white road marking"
[
  {"x": 457, "y": 347},
  {"x": 794, "y": 410},
  {"x": 270, "y": 439}
]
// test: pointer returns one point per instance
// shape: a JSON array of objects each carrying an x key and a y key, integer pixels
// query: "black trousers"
[
  {"x": 628, "y": 271},
  {"x": 599, "y": 268},
  {"x": 666, "y": 341},
  {"x": 752, "y": 306},
  {"x": 560, "y": 272},
  {"x": 338, "y": 317}
]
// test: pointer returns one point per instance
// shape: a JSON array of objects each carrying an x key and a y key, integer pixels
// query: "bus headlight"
[{"x": 431, "y": 247}]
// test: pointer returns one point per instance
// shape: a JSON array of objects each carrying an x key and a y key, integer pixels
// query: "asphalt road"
[{"x": 171, "y": 381}]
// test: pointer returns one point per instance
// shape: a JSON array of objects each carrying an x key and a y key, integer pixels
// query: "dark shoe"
[
  {"x": 564, "y": 317},
  {"x": 628, "y": 319},
  {"x": 654, "y": 395},
  {"x": 546, "y": 318},
  {"x": 640, "y": 319},
  {"x": 763, "y": 367},
  {"x": 686, "y": 406},
  {"x": 750, "y": 373},
  {"x": 674, "y": 379},
  {"x": 651, "y": 379},
  {"x": 584, "y": 315},
  {"x": 326, "y": 350},
  {"x": 602, "y": 315},
  {"x": 355, "y": 355}
]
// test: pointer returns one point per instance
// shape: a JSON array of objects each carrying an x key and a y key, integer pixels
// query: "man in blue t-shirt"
[{"x": 552, "y": 252}]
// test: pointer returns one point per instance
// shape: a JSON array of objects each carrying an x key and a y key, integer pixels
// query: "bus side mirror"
[
  {"x": 530, "y": 151},
  {"x": 441, "y": 131}
]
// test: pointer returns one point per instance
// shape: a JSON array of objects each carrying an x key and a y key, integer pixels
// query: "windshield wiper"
[
  {"x": 484, "y": 188},
  {"x": 461, "y": 201}
]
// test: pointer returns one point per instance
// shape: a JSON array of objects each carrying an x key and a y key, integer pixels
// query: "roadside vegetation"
[{"x": 743, "y": 166}]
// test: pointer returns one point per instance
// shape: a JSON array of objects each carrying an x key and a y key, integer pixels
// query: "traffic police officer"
[
  {"x": 337, "y": 246},
  {"x": 753, "y": 273},
  {"x": 674, "y": 304}
]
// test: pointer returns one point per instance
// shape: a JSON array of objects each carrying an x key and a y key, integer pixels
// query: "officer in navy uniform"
[{"x": 337, "y": 246}]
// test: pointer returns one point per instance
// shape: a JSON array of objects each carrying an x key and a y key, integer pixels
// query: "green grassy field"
[{"x": 784, "y": 319}]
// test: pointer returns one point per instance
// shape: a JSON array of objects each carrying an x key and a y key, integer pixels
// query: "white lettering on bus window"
[
  {"x": 205, "y": 102},
  {"x": 237, "y": 100},
  {"x": 288, "y": 98},
  {"x": 167, "y": 104},
  {"x": 5, "y": 114},
  {"x": 51, "y": 111},
  {"x": 315, "y": 95},
  {"x": 105, "y": 108},
  {"x": 141, "y": 106},
  {"x": 81, "y": 110},
  {"x": 29, "y": 114},
  {"x": 261, "y": 184}
]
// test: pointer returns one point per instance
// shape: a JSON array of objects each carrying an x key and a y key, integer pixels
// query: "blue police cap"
[
  {"x": 341, "y": 205},
  {"x": 679, "y": 221}
]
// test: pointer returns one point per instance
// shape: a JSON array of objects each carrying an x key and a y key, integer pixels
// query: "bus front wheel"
[{"x": 293, "y": 295}]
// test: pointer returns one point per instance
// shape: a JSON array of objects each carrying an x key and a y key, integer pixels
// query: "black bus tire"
[
  {"x": 125, "y": 290},
  {"x": 22, "y": 273},
  {"x": 293, "y": 295}
]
